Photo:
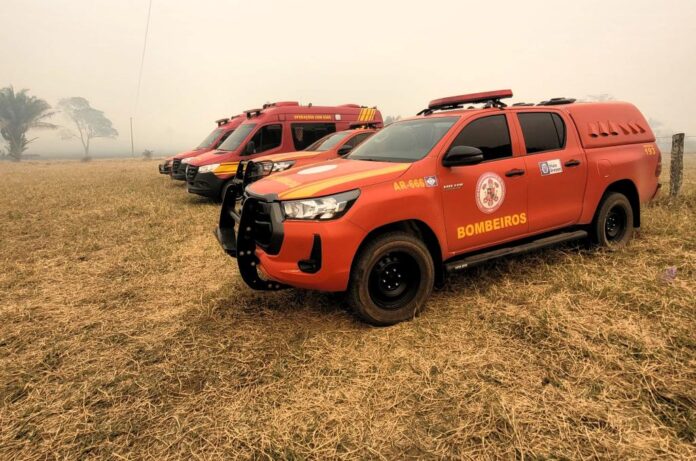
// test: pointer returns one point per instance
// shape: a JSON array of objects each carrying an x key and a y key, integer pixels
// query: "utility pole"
[{"x": 131, "y": 132}]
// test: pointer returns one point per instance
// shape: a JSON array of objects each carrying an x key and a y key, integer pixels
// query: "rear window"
[
  {"x": 305, "y": 134},
  {"x": 542, "y": 131}
]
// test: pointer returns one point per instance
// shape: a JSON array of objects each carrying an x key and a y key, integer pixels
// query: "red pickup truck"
[{"x": 451, "y": 188}]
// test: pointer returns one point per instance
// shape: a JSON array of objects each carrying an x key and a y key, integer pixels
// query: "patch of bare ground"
[{"x": 125, "y": 332}]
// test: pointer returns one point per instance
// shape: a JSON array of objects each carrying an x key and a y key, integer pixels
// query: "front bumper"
[
  {"x": 205, "y": 184},
  {"x": 304, "y": 254},
  {"x": 164, "y": 168}
]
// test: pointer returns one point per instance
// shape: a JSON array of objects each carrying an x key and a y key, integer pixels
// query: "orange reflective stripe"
[{"x": 309, "y": 190}]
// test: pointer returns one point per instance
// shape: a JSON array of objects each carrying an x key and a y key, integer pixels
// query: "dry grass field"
[{"x": 125, "y": 332}]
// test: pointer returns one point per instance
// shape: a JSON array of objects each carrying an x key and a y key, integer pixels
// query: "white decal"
[
  {"x": 550, "y": 167},
  {"x": 317, "y": 169},
  {"x": 431, "y": 181},
  {"x": 490, "y": 192}
]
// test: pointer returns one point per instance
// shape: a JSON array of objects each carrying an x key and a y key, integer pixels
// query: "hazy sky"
[{"x": 211, "y": 58}]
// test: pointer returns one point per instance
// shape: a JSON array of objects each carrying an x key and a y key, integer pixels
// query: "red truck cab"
[
  {"x": 444, "y": 191},
  {"x": 176, "y": 165},
  {"x": 273, "y": 129}
]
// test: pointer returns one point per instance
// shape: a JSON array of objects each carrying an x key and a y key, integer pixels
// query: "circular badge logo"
[
  {"x": 490, "y": 192},
  {"x": 318, "y": 169}
]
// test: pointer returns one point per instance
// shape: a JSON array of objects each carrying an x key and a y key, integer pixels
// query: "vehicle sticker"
[
  {"x": 312, "y": 117},
  {"x": 430, "y": 181},
  {"x": 490, "y": 225},
  {"x": 457, "y": 185},
  {"x": 317, "y": 169},
  {"x": 418, "y": 183},
  {"x": 490, "y": 192},
  {"x": 550, "y": 167},
  {"x": 649, "y": 149}
]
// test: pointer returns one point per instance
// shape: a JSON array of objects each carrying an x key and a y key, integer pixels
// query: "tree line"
[{"x": 21, "y": 113}]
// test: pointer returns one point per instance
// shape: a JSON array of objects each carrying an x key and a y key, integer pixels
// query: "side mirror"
[
  {"x": 463, "y": 155},
  {"x": 344, "y": 150},
  {"x": 250, "y": 148}
]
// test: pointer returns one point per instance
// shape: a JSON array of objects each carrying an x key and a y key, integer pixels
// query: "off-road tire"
[
  {"x": 612, "y": 226},
  {"x": 401, "y": 256}
]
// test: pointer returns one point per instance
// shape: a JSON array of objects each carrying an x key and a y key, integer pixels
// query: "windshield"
[
  {"x": 404, "y": 142},
  {"x": 210, "y": 139},
  {"x": 327, "y": 142},
  {"x": 235, "y": 140}
]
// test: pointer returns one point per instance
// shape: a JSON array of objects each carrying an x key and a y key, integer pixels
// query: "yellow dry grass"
[{"x": 125, "y": 332}]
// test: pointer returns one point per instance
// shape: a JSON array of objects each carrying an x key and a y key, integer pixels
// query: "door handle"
[
  {"x": 514, "y": 172},
  {"x": 572, "y": 163}
]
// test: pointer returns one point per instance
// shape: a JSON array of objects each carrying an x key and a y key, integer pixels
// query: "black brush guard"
[{"x": 235, "y": 233}]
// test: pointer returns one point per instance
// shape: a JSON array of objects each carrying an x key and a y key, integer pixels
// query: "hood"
[
  {"x": 288, "y": 156},
  {"x": 189, "y": 153},
  {"x": 327, "y": 178},
  {"x": 215, "y": 156}
]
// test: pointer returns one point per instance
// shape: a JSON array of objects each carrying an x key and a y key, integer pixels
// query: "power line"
[
  {"x": 142, "y": 58},
  {"x": 140, "y": 75}
]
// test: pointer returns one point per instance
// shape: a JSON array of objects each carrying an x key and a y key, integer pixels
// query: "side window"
[
  {"x": 357, "y": 139},
  {"x": 490, "y": 134},
  {"x": 542, "y": 131},
  {"x": 304, "y": 134},
  {"x": 268, "y": 137}
]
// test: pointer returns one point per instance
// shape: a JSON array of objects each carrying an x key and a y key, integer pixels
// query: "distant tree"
[
  {"x": 88, "y": 122},
  {"x": 147, "y": 154},
  {"x": 20, "y": 113}
]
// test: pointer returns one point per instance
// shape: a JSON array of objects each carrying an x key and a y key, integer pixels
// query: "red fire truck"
[
  {"x": 175, "y": 166},
  {"x": 273, "y": 129}
]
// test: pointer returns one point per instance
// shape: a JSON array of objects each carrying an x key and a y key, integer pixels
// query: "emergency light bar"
[
  {"x": 222, "y": 121},
  {"x": 452, "y": 102}
]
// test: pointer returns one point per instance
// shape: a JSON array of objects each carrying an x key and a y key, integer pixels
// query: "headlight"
[
  {"x": 208, "y": 168},
  {"x": 282, "y": 166},
  {"x": 186, "y": 161},
  {"x": 329, "y": 207}
]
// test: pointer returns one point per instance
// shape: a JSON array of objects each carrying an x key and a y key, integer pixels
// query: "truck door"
[
  {"x": 556, "y": 169},
  {"x": 486, "y": 203}
]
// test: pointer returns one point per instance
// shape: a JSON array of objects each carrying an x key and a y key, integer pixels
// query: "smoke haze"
[{"x": 209, "y": 59}]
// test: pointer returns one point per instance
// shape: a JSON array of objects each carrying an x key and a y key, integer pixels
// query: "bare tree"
[
  {"x": 88, "y": 122},
  {"x": 20, "y": 113}
]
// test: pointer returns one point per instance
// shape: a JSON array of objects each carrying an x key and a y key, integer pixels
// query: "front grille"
[
  {"x": 175, "y": 165},
  {"x": 191, "y": 173}
]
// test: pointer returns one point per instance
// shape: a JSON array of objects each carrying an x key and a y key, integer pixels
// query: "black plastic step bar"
[{"x": 474, "y": 260}]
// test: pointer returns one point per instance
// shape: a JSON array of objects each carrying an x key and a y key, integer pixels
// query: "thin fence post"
[{"x": 676, "y": 164}]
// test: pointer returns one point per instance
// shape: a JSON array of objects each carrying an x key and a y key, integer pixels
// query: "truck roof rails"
[
  {"x": 280, "y": 104},
  {"x": 557, "y": 101},
  {"x": 519, "y": 104},
  {"x": 489, "y": 98}
]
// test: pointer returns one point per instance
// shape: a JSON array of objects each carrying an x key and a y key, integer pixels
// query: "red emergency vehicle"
[
  {"x": 329, "y": 147},
  {"x": 446, "y": 190},
  {"x": 176, "y": 166},
  {"x": 273, "y": 129}
]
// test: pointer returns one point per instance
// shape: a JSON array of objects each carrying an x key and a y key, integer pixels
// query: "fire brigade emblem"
[{"x": 490, "y": 192}]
